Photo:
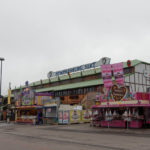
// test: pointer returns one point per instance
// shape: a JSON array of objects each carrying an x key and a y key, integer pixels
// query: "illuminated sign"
[{"x": 102, "y": 61}]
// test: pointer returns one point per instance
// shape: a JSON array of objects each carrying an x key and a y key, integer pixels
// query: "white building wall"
[
  {"x": 137, "y": 81},
  {"x": 140, "y": 68}
]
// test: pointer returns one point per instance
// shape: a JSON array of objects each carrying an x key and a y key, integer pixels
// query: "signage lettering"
[
  {"x": 102, "y": 61},
  {"x": 118, "y": 93}
]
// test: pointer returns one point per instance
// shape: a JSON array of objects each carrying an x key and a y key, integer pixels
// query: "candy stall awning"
[{"x": 122, "y": 105}]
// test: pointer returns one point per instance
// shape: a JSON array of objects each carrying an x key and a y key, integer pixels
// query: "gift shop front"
[
  {"x": 125, "y": 100},
  {"x": 124, "y": 114}
]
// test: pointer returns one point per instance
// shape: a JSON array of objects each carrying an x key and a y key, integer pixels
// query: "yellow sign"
[
  {"x": 9, "y": 96},
  {"x": 86, "y": 115},
  {"x": 75, "y": 116}
]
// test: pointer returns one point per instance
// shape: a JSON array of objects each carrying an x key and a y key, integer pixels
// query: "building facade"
[{"x": 73, "y": 88}]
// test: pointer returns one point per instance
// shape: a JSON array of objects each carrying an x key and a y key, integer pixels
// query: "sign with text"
[
  {"x": 65, "y": 117},
  {"x": 86, "y": 115},
  {"x": 27, "y": 96},
  {"x": 106, "y": 75},
  {"x": 118, "y": 73},
  {"x": 75, "y": 116},
  {"x": 118, "y": 93},
  {"x": 102, "y": 61},
  {"x": 51, "y": 102},
  {"x": 60, "y": 117}
]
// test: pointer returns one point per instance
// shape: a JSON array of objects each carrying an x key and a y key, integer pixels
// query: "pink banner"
[
  {"x": 118, "y": 73},
  {"x": 106, "y": 75}
]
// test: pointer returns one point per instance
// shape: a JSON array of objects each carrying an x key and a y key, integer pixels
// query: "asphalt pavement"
[{"x": 71, "y": 137}]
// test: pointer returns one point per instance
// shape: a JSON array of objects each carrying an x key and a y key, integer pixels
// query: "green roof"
[
  {"x": 72, "y": 86},
  {"x": 78, "y": 74}
]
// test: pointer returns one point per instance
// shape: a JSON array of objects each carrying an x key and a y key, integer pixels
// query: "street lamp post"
[{"x": 1, "y": 59}]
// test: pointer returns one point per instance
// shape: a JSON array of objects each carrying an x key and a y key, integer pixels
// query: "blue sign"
[{"x": 102, "y": 61}]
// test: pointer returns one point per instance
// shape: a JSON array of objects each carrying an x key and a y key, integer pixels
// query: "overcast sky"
[{"x": 37, "y": 36}]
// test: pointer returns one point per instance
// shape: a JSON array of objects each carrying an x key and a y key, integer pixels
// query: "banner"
[
  {"x": 118, "y": 73},
  {"x": 106, "y": 75},
  {"x": 60, "y": 117},
  {"x": 27, "y": 96},
  {"x": 9, "y": 96},
  {"x": 65, "y": 117},
  {"x": 86, "y": 115},
  {"x": 75, "y": 116}
]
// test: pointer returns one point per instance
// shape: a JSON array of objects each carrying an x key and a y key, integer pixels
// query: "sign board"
[
  {"x": 75, "y": 116},
  {"x": 65, "y": 117},
  {"x": 51, "y": 102},
  {"x": 9, "y": 96},
  {"x": 44, "y": 100},
  {"x": 118, "y": 73},
  {"x": 106, "y": 75},
  {"x": 102, "y": 61},
  {"x": 60, "y": 117},
  {"x": 27, "y": 95},
  {"x": 86, "y": 115},
  {"x": 118, "y": 93}
]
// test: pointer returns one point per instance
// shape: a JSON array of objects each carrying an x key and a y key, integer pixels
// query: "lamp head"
[{"x": 2, "y": 59}]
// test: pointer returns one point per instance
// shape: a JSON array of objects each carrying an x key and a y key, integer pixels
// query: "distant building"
[{"x": 72, "y": 88}]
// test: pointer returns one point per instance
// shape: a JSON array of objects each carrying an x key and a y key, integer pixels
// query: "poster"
[
  {"x": 26, "y": 101},
  {"x": 86, "y": 115},
  {"x": 60, "y": 117},
  {"x": 75, "y": 116},
  {"x": 106, "y": 75},
  {"x": 65, "y": 117},
  {"x": 27, "y": 96},
  {"x": 118, "y": 73},
  {"x": 9, "y": 96}
]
